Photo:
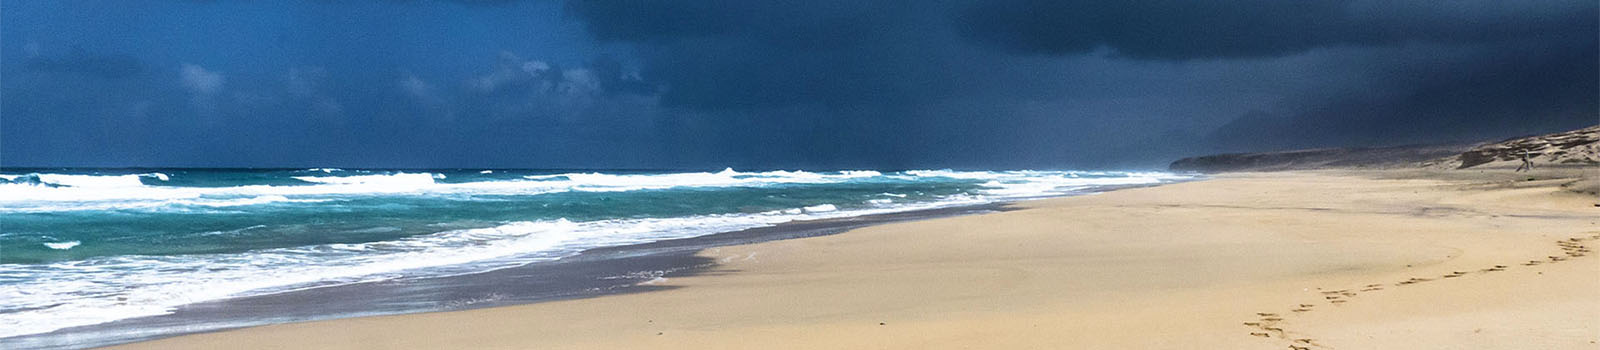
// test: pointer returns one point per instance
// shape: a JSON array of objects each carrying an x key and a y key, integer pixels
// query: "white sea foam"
[
  {"x": 397, "y": 179},
  {"x": 1028, "y": 183},
  {"x": 75, "y": 293},
  {"x": 127, "y": 187},
  {"x": 117, "y": 192},
  {"x": 64, "y": 192},
  {"x": 92, "y": 181},
  {"x": 62, "y": 245},
  {"x": 247, "y": 201},
  {"x": 954, "y": 174},
  {"x": 726, "y": 178},
  {"x": 820, "y": 208}
]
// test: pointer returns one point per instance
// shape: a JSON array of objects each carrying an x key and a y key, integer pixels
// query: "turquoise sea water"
[{"x": 82, "y": 247}]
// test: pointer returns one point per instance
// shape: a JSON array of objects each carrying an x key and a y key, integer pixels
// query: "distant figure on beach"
[{"x": 1527, "y": 165}]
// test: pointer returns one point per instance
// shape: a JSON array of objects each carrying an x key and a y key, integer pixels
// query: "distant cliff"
[
  {"x": 1375, "y": 157},
  {"x": 1580, "y": 146}
]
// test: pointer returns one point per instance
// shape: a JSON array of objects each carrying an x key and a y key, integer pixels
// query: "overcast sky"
[{"x": 819, "y": 84}]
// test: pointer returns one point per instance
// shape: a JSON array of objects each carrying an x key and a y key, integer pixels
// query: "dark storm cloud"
[
  {"x": 791, "y": 84},
  {"x": 749, "y": 54},
  {"x": 1180, "y": 29},
  {"x": 1488, "y": 93},
  {"x": 1424, "y": 71}
]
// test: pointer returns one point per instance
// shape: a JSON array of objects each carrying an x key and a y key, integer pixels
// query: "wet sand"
[{"x": 1319, "y": 260}]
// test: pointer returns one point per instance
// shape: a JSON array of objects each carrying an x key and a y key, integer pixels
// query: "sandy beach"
[
  {"x": 707, "y": 175},
  {"x": 1317, "y": 260}
]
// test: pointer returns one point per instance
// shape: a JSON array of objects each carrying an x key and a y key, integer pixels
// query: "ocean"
[{"x": 81, "y": 247}]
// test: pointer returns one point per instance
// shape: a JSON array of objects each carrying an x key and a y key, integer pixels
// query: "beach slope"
[{"x": 1319, "y": 260}]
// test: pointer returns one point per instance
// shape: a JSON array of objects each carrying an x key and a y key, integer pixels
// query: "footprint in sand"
[
  {"x": 1259, "y": 334},
  {"x": 1301, "y": 310},
  {"x": 1271, "y": 319},
  {"x": 1338, "y": 301},
  {"x": 1574, "y": 249},
  {"x": 1413, "y": 280}
]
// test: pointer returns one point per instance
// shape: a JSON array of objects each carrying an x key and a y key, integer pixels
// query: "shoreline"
[
  {"x": 591, "y": 273},
  {"x": 1241, "y": 261}
]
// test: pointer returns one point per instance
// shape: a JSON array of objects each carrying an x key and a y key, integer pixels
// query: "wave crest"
[{"x": 396, "y": 179}]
